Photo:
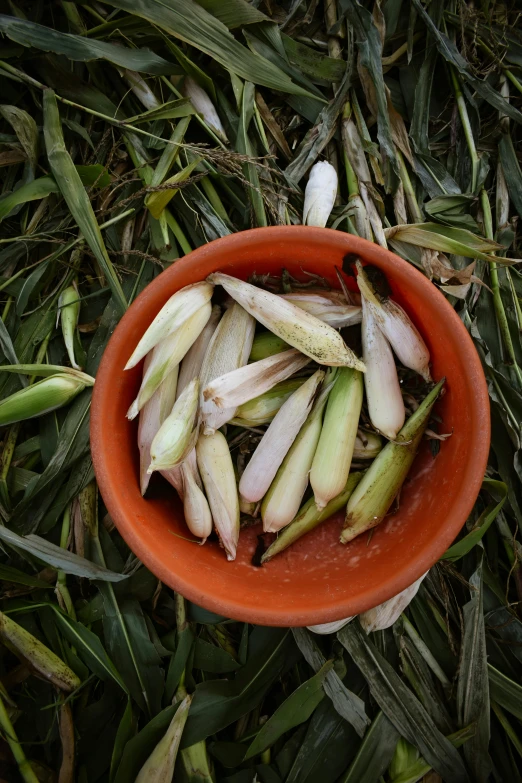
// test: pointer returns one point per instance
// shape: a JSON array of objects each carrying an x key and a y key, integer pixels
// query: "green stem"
[
  {"x": 5, "y": 462},
  {"x": 516, "y": 300},
  {"x": 24, "y": 766},
  {"x": 425, "y": 652},
  {"x": 7, "y": 307},
  {"x": 61, "y": 578},
  {"x": 213, "y": 196},
  {"x": 466, "y": 126},
  {"x": 178, "y": 232},
  {"x": 409, "y": 192}
]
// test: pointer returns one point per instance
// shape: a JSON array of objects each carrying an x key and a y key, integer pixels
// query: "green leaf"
[
  {"x": 233, "y": 13},
  {"x": 446, "y": 239},
  {"x": 505, "y": 691},
  {"x": 13, "y": 575},
  {"x": 374, "y": 754},
  {"x": 401, "y": 707},
  {"x": 511, "y": 170},
  {"x": 126, "y": 731},
  {"x": 244, "y": 146},
  {"x": 482, "y": 524},
  {"x": 420, "y": 768},
  {"x": 213, "y": 659},
  {"x": 77, "y": 47},
  {"x": 181, "y": 107},
  {"x": 74, "y": 193},
  {"x": 296, "y": 709},
  {"x": 178, "y": 662},
  {"x": 311, "y": 62},
  {"x": 25, "y": 128}
]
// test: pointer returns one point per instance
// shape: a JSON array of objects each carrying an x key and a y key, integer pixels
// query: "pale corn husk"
[
  {"x": 367, "y": 445},
  {"x": 38, "y": 656},
  {"x": 203, "y": 105},
  {"x": 373, "y": 497},
  {"x": 192, "y": 363},
  {"x": 228, "y": 349},
  {"x": 217, "y": 472},
  {"x": 172, "y": 316},
  {"x": 195, "y": 505},
  {"x": 292, "y": 324},
  {"x": 175, "y": 438},
  {"x": 266, "y": 344},
  {"x": 167, "y": 355},
  {"x": 384, "y": 615},
  {"x": 326, "y": 628},
  {"x": 159, "y": 767},
  {"x": 175, "y": 478},
  {"x": 141, "y": 89},
  {"x": 276, "y": 442},
  {"x": 244, "y": 384},
  {"x": 261, "y": 410},
  {"x": 383, "y": 392},
  {"x": 152, "y": 416},
  {"x": 40, "y": 398},
  {"x": 320, "y": 194},
  {"x": 398, "y": 329},
  {"x": 69, "y": 311},
  {"x": 329, "y": 306},
  {"x": 281, "y": 502},
  {"x": 333, "y": 457},
  {"x": 309, "y": 517}
]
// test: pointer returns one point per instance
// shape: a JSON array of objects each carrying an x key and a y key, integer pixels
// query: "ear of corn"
[
  {"x": 193, "y": 361},
  {"x": 320, "y": 194},
  {"x": 383, "y": 392},
  {"x": 333, "y": 457},
  {"x": 167, "y": 355},
  {"x": 195, "y": 505},
  {"x": 383, "y": 616},
  {"x": 275, "y": 443},
  {"x": 262, "y": 409},
  {"x": 159, "y": 767},
  {"x": 175, "y": 437},
  {"x": 309, "y": 517},
  {"x": 266, "y": 344},
  {"x": 228, "y": 350},
  {"x": 204, "y": 106},
  {"x": 372, "y": 499},
  {"x": 327, "y": 306},
  {"x": 173, "y": 316},
  {"x": 292, "y": 324},
  {"x": 217, "y": 472},
  {"x": 152, "y": 416},
  {"x": 40, "y": 398},
  {"x": 69, "y": 311}
]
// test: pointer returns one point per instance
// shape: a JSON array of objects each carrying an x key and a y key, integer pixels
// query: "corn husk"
[
  {"x": 195, "y": 505},
  {"x": 192, "y": 363},
  {"x": 175, "y": 478},
  {"x": 69, "y": 311},
  {"x": 397, "y": 327},
  {"x": 372, "y": 499},
  {"x": 152, "y": 416},
  {"x": 228, "y": 349},
  {"x": 276, "y": 442},
  {"x": 367, "y": 445},
  {"x": 292, "y": 324},
  {"x": 175, "y": 437},
  {"x": 384, "y": 615},
  {"x": 40, "y": 398},
  {"x": 217, "y": 472},
  {"x": 159, "y": 767},
  {"x": 383, "y": 392},
  {"x": 309, "y": 517},
  {"x": 320, "y": 194},
  {"x": 168, "y": 354},
  {"x": 203, "y": 105},
  {"x": 327, "y": 628},
  {"x": 281, "y": 502},
  {"x": 261, "y": 410},
  {"x": 141, "y": 89},
  {"x": 266, "y": 344},
  {"x": 329, "y": 306},
  {"x": 247, "y": 382},
  {"x": 173, "y": 316}
]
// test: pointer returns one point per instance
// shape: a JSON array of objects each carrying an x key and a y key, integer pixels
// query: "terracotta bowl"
[{"x": 317, "y": 580}]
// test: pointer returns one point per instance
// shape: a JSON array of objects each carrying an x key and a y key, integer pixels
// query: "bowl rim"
[{"x": 420, "y": 563}]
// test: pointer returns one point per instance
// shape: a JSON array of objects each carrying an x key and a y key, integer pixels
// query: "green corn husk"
[
  {"x": 159, "y": 767},
  {"x": 40, "y": 398},
  {"x": 370, "y": 503},
  {"x": 367, "y": 445},
  {"x": 69, "y": 312},
  {"x": 176, "y": 436},
  {"x": 38, "y": 656},
  {"x": 333, "y": 457},
  {"x": 309, "y": 517},
  {"x": 266, "y": 344},
  {"x": 262, "y": 409}
]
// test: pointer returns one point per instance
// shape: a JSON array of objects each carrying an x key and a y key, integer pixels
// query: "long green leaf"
[
  {"x": 375, "y": 752},
  {"x": 482, "y": 524}
]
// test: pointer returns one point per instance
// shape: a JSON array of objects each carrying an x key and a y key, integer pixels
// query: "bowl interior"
[{"x": 317, "y": 579}]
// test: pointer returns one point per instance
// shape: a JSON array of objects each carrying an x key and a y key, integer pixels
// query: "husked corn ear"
[
  {"x": 152, "y": 416},
  {"x": 281, "y": 502},
  {"x": 262, "y": 409},
  {"x": 320, "y": 194},
  {"x": 397, "y": 327},
  {"x": 327, "y": 628},
  {"x": 204, "y": 106},
  {"x": 247, "y": 382},
  {"x": 266, "y": 344},
  {"x": 383, "y": 392},
  {"x": 228, "y": 349},
  {"x": 309, "y": 517},
  {"x": 275, "y": 443},
  {"x": 175, "y": 437},
  {"x": 384, "y": 615},
  {"x": 217, "y": 472},
  {"x": 367, "y": 445},
  {"x": 42, "y": 397},
  {"x": 373, "y": 497},
  {"x": 333, "y": 457},
  {"x": 172, "y": 316},
  {"x": 69, "y": 311},
  {"x": 292, "y": 324},
  {"x": 168, "y": 354},
  {"x": 192, "y": 363},
  {"x": 328, "y": 306},
  {"x": 195, "y": 505},
  {"x": 159, "y": 767}
]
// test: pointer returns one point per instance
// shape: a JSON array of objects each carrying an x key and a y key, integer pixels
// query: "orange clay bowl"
[{"x": 316, "y": 580}]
